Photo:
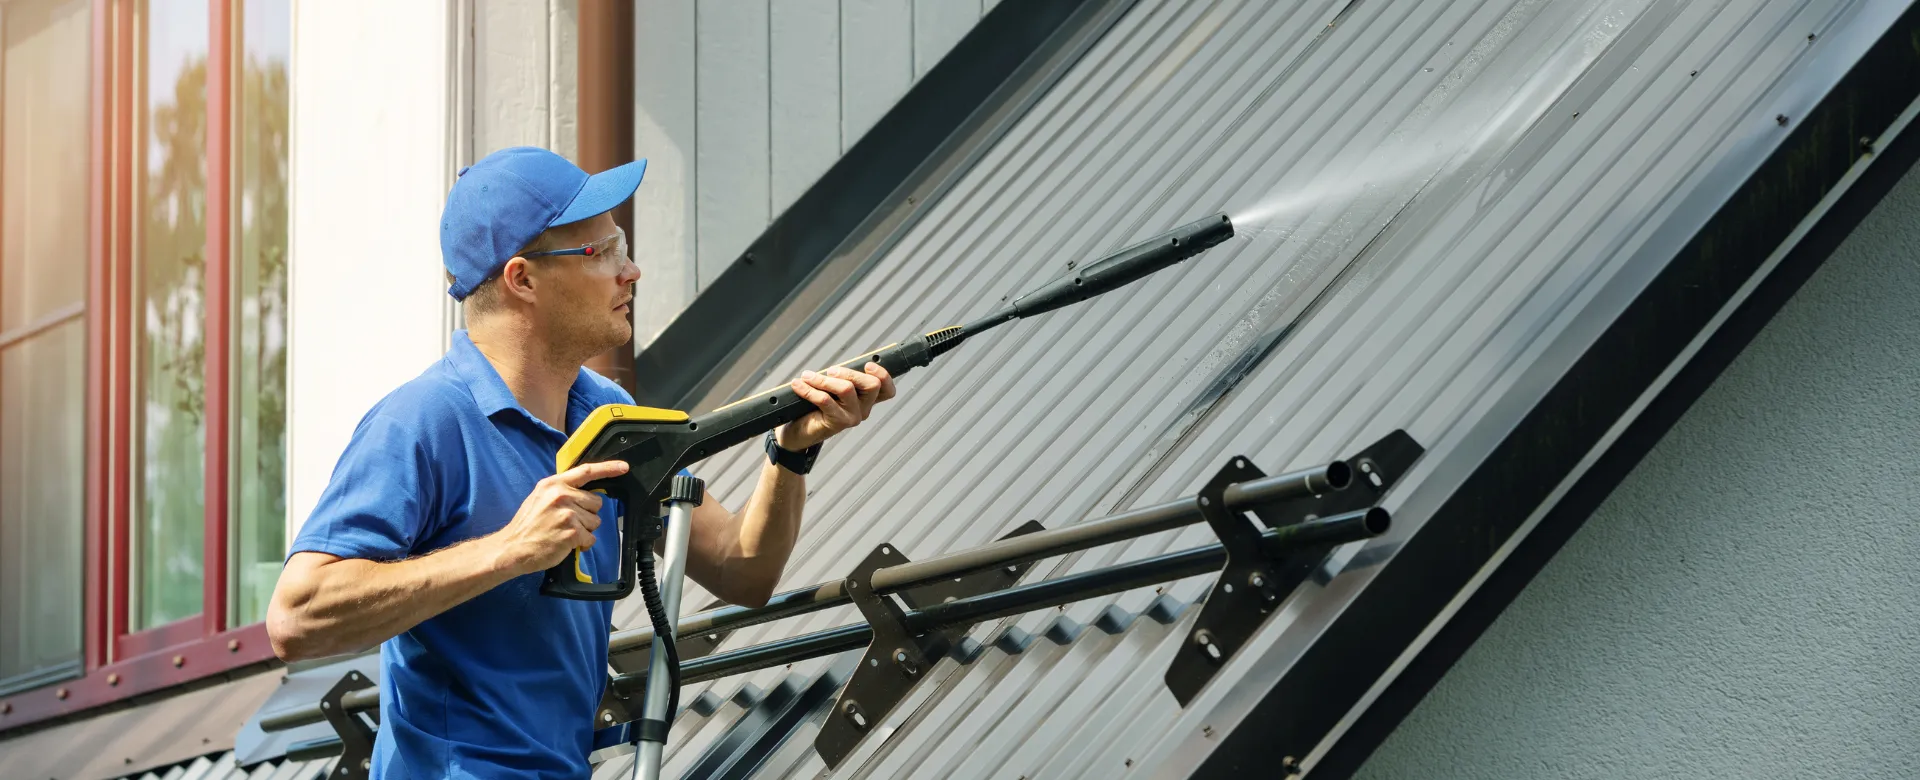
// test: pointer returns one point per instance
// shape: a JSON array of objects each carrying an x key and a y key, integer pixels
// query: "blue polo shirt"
[{"x": 506, "y": 684}]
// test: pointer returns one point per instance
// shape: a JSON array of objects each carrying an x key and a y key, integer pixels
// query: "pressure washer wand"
[
  {"x": 756, "y": 414},
  {"x": 1105, "y": 275},
  {"x": 658, "y": 443}
]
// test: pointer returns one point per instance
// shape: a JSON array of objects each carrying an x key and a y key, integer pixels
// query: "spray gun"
[{"x": 658, "y": 444}]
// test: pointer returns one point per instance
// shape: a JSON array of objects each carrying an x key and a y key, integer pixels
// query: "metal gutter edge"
[
  {"x": 965, "y": 103},
  {"x": 1595, "y": 423}
]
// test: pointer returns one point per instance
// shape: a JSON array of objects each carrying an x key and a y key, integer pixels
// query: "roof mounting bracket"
[
  {"x": 356, "y": 735},
  {"x": 897, "y": 658},
  {"x": 1253, "y": 584}
]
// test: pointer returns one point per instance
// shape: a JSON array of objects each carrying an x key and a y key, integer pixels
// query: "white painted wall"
[
  {"x": 742, "y": 104},
  {"x": 370, "y": 166}
]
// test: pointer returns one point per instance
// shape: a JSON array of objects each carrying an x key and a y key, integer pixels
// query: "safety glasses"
[{"x": 613, "y": 247}]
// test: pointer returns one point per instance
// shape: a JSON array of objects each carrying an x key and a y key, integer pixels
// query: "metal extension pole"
[{"x": 657, "y": 713}]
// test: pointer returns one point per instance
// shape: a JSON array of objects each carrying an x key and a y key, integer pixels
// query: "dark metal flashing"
[
  {"x": 1570, "y": 420},
  {"x": 958, "y": 109}
]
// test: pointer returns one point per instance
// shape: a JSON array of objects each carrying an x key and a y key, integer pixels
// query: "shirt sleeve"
[{"x": 376, "y": 504}]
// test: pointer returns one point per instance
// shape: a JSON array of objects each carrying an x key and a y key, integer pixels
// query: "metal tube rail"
[
  {"x": 1352, "y": 526},
  {"x": 1005, "y": 552}
]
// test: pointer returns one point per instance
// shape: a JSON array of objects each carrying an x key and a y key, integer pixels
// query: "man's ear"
[{"x": 516, "y": 278}]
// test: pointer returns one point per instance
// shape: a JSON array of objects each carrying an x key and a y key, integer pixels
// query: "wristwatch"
[{"x": 797, "y": 462}]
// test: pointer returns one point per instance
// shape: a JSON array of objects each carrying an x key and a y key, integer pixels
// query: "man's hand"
[
  {"x": 844, "y": 396},
  {"x": 556, "y": 518}
]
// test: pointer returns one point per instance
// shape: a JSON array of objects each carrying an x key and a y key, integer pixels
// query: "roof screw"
[
  {"x": 1780, "y": 119},
  {"x": 1207, "y": 730},
  {"x": 60, "y": 694},
  {"x": 179, "y": 661},
  {"x": 1811, "y": 36},
  {"x": 1866, "y": 145},
  {"x": 1129, "y": 762},
  {"x": 233, "y": 645},
  {"x": 113, "y": 679},
  {"x": 1692, "y": 74},
  {"x": 1291, "y": 766}
]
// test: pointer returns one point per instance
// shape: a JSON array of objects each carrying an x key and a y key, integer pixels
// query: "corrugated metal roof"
[
  {"x": 222, "y": 767},
  {"x": 1524, "y": 164}
]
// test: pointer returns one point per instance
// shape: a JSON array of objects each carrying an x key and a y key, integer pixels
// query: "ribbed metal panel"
[
  {"x": 1486, "y": 182},
  {"x": 222, "y": 767}
]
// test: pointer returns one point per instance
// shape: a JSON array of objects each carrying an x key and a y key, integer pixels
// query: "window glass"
[
  {"x": 44, "y": 91},
  {"x": 170, "y": 313},
  {"x": 260, "y": 321}
]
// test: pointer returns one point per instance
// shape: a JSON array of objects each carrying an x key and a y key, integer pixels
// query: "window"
[
  {"x": 143, "y": 273},
  {"x": 44, "y": 128},
  {"x": 260, "y": 284},
  {"x": 169, "y": 320}
]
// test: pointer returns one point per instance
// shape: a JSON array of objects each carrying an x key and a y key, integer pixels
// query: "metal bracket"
[
  {"x": 356, "y": 737},
  {"x": 1252, "y": 584},
  {"x": 897, "y": 658}
]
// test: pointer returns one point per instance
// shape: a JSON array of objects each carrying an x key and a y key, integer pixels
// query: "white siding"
[
  {"x": 525, "y": 70},
  {"x": 731, "y": 109},
  {"x": 665, "y": 133},
  {"x": 806, "y": 94},
  {"x": 742, "y": 104},
  {"x": 876, "y": 66},
  {"x": 937, "y": 26}
]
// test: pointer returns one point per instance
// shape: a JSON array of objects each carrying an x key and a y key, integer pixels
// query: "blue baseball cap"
[{"x": 501, "y": 203}]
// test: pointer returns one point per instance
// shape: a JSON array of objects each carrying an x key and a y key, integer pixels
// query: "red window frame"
[{"x": 120, "y": 663}]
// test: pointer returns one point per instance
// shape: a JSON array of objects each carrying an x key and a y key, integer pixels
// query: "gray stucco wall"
[{"x": 1746, "y": 604}]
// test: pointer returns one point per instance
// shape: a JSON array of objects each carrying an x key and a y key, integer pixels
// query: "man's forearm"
[
  {"x": 352, "y": 604},
  {"x": 742, "y": 561}
]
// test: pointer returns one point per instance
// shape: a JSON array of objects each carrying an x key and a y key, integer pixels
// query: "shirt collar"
[{"x": 491, "y": 394}]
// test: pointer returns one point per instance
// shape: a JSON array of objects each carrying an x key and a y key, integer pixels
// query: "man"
[{"x": 444, "y": 510}]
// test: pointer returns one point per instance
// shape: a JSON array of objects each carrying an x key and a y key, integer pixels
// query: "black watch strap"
[{"x": 797, "y": 462}]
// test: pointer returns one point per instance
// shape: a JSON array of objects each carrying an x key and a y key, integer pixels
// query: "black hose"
[{"x": 663, "y": 628}]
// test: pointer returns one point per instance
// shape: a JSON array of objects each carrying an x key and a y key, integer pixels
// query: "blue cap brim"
[{"x": 602, "y": 192}]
